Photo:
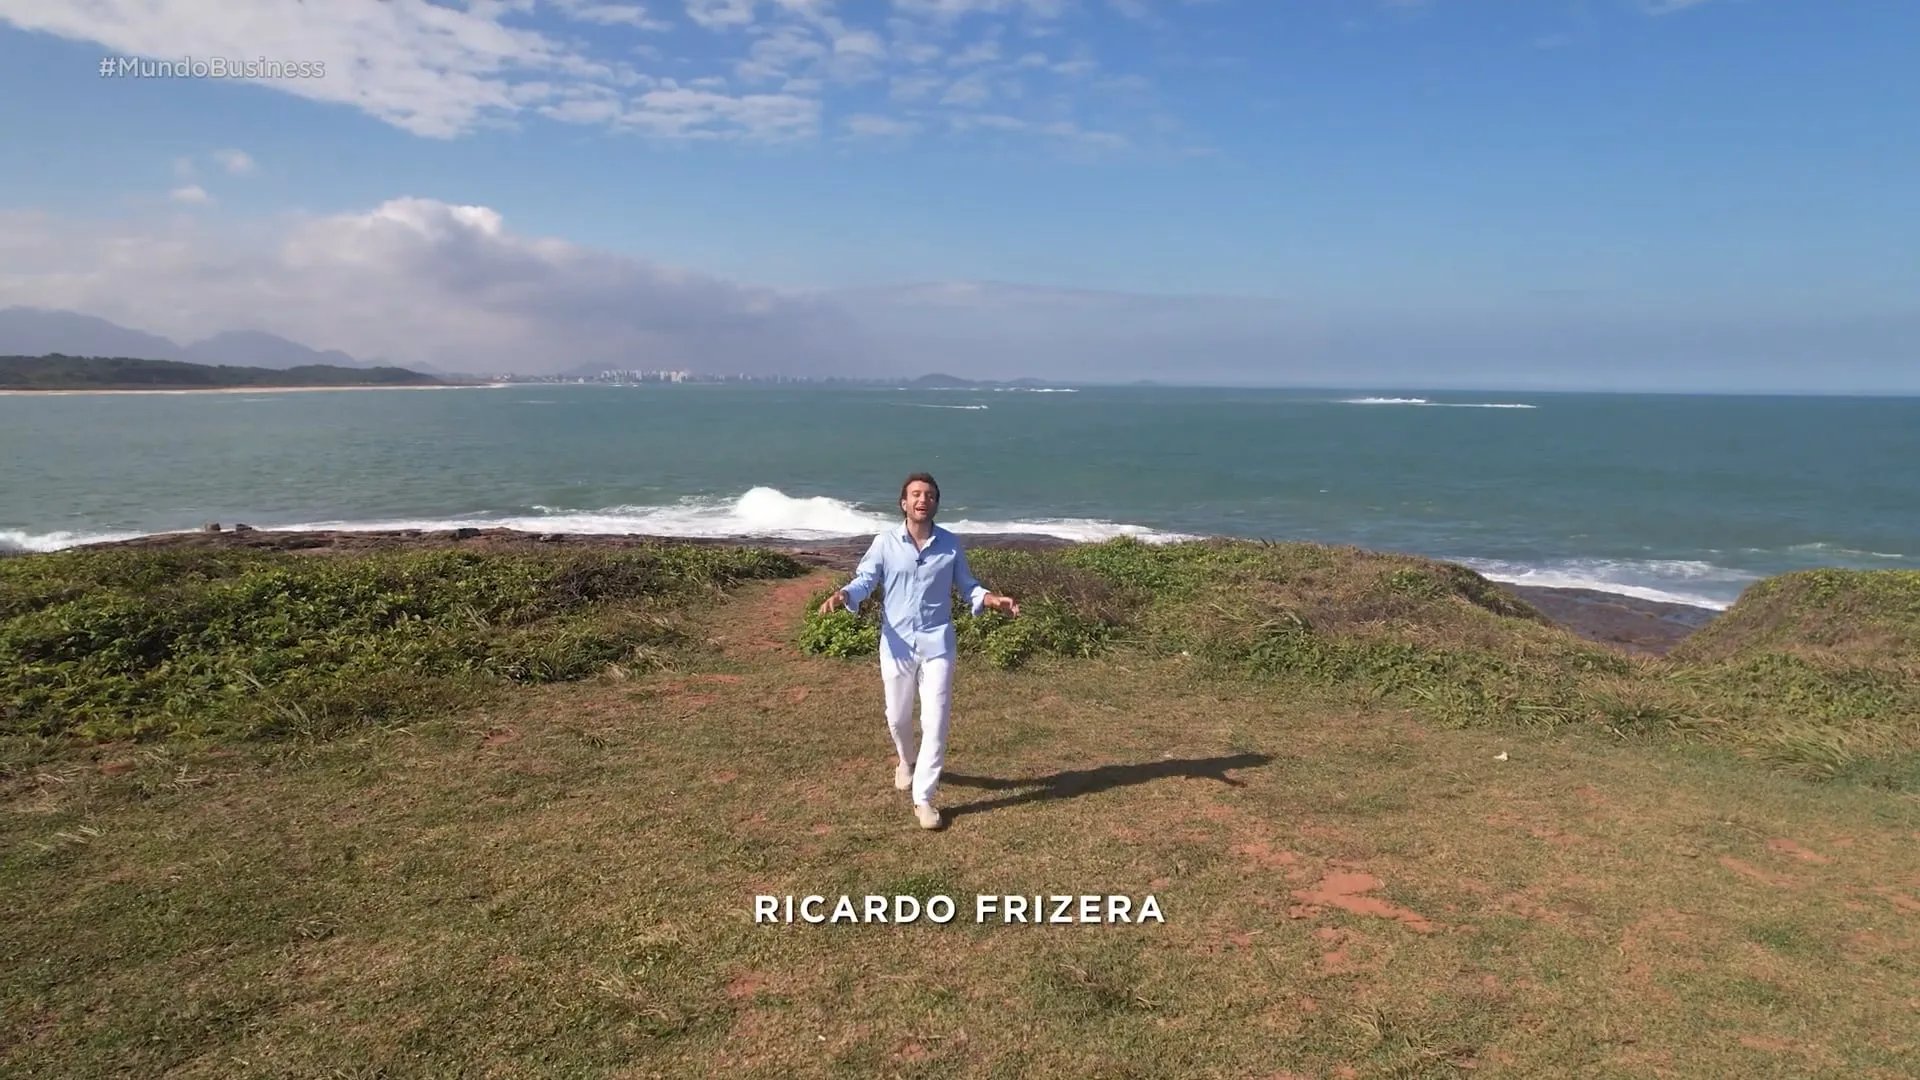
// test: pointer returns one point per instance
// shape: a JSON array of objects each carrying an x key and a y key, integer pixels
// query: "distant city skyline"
[{"x": 1689, "y": 195}]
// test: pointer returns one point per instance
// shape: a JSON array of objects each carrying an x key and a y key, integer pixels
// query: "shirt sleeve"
[
  {"x": 970, "y": 586},
  {"x": 866, "y": 575}
]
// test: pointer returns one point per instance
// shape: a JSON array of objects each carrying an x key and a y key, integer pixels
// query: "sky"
[{"x": 1699, "y": 195}]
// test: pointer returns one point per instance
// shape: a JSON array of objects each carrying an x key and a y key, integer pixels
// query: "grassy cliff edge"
[
  {"x": 1814, "y": 673},
  {"x": 1817, "y": 673}
]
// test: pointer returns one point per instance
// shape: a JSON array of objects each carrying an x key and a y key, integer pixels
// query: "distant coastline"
[
  {"x": 57, "y": 373},
  {"x": 63, "y": 392}
]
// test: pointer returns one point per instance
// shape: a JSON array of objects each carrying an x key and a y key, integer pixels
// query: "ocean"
[{"x": 1678, "y": 498}]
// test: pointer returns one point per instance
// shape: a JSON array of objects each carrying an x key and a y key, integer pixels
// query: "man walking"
[{"x": 918, "y": 564}]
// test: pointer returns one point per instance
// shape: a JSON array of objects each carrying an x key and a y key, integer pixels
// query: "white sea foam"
[
  {"x": 1835, "y": 549},
  {"x": 1435, "y": 404},
  {"x": 1671, "y": 581},
  {"x": 770, "y": 514},
  {"x": 18, "y": 540},
  {"x": 924, "y": 405},
  {"x": 762, "y": 512}
]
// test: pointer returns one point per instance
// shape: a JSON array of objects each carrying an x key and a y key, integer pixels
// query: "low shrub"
[{"x": 131, "y": 643}]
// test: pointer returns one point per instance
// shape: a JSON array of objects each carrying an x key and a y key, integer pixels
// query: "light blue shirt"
[{"x": 917, "y": 591}]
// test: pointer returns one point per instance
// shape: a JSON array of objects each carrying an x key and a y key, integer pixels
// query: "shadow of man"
[{"x": 1077, "y": 782}]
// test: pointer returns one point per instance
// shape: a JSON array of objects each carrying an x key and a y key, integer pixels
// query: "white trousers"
[{"x": 931, "y": 681}]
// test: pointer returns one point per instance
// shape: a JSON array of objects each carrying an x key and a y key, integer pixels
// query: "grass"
[
  {"x": 119, "y": 644},
  {"x": 1816, "y": 674},
  {"x": 557, "y": 878}
]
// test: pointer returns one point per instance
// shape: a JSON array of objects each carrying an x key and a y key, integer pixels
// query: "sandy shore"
[
  {"x": 254, "y": 389},
  {"x": 1623, "y": 622}
]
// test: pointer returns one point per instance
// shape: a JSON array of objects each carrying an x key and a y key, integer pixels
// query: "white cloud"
[
  {"x": 953, "y": 10},
  {"x": 721, "y": 14},
  {"x": 779, "y": 55},
  {"x": 914, "y": 87},
  {"x": 237, "y": 162},
  {"x": 688, "y": 113},
  {"x": 859, "y": 43},
  {"x": 421, "y": 281},
  {"x": 416, "y": 280},
  {"x": 444, "y": 70},
  {"x": 870, "y": 126},
  {"x": 633, "y": 15},
  {"x": 431, "y": 70},
  {"x": 969, "y": 90},
  {"x": 1064, "y": 130},
  {"x": 190, "y": 193},
  {"x": 980, "y": 52}
]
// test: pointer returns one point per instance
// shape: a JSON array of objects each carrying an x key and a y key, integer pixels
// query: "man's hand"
[
  {"x": 837, "y": 599},
  {"x": 1005, "y": 605}
]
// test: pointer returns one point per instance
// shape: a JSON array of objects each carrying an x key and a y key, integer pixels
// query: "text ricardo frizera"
[{"x": 1079, "y": 908}]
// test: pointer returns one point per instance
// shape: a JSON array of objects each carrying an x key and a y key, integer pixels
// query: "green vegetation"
[
  {"x": 1865, "y": 618},
  {"x": 112, "y": 644},
  {"x": 1812, "y": 673},
  {"x": 57, "y": 372},
  {"x": 556, "y": 878}
]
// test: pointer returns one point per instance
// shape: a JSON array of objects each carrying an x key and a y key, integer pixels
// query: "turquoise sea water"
[{"x": 1666, "y": 497}]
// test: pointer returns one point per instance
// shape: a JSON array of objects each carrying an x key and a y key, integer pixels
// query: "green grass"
[
  {"x": 1865, "y": 618},
  {"x": 128, "y": 644},
  {"x": 1815, "y": 674},
  {"x": 557, "y": 879}
]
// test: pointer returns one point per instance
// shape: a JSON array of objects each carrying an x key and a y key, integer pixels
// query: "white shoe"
[
  {"x": 902, "y": 776},
  {"x": 929, "y": 817}
]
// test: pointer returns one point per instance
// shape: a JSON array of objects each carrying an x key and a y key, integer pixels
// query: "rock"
[
  {"x": 211, "y": 526},
  {"x": 241, "y": 526},
  {"x": 465, "y": 533}
]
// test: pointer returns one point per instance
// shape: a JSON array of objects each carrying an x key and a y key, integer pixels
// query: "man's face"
[{"x": 920, "y": 502}]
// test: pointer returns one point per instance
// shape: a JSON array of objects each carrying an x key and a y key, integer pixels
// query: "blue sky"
[{"x": 1715, "y": 194}]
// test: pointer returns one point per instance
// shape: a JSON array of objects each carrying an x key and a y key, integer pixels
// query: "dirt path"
[{"x": 759, "y": 622}]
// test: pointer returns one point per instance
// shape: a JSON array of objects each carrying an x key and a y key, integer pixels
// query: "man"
[{"x": 918, "y": 564}]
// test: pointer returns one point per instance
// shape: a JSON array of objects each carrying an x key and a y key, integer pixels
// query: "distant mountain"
[
  {"x": 256, "y": 348},
  {"x": 39, "y": 332}
]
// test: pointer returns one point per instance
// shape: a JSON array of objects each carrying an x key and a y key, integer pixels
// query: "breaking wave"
[
  {"x": 1669, "y": 581},
  {"x": 1435, "y": 404},
  {"x": 762, "y": 512},
  {"x": 17, "y": 540}
]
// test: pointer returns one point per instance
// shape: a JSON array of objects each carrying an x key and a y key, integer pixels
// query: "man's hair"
[{"x": 920, "y": 478}]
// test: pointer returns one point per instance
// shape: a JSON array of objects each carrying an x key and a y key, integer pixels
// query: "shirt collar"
[{"x": 901, "y": 534}]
